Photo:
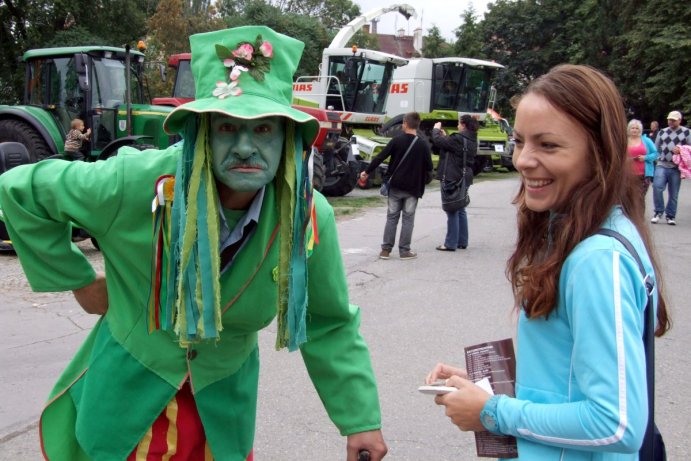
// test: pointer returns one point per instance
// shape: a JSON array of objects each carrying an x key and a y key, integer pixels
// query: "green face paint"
[{"x": 246, "y": 153}]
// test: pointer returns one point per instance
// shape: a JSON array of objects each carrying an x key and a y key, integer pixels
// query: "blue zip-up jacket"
[
  {"x": 581, "y": 379},
  {"x": 650, "y": 156}
]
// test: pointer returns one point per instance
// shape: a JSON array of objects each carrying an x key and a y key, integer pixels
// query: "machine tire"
[
  {"x": 22, "y": 132},
  {"x": 481, "y": 162},
  {"x": 4, "y": 235},
  {"x": 343, "y": 178},
  {"x": 393, "y": 130},
  {"x": 137, "y": 146},
  {"x": 318, "y": 171}
]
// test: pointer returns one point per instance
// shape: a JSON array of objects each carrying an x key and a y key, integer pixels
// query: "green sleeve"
[
  {"x": 335, "y": 353},
  {"x": 41, "y": 201}
]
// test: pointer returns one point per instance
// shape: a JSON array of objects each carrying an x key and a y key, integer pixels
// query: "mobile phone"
[{"x": 436, "y": 390}]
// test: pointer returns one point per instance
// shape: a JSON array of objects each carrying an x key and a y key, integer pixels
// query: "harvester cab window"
[
  {"x": 448, "y": 77},
  {"x": 477, "y": 89}
]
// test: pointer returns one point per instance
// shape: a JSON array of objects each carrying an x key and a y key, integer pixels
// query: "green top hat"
[{"x": 244, "y": 72}]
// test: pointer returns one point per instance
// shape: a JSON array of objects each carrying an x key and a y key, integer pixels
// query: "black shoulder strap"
[
  {"x": 647, "y": 449},
  {"x": 404, "y": 156}
]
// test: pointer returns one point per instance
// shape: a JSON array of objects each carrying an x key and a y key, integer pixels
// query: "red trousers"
[{"x": 176, "y": 435}]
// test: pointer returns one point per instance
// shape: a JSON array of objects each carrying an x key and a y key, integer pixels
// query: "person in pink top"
[{"x": 642, "y": 153}]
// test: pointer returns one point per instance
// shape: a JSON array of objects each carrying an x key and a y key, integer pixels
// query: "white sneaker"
[
  {"x": 656, "y": 219},
  {"x": 671, "y": 222}
]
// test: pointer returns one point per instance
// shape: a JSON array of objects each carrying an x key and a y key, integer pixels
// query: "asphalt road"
[{"x": 414, "y": 313}]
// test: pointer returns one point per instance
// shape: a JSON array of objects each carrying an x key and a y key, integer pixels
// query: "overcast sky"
[{"x": 445, "y": 14}]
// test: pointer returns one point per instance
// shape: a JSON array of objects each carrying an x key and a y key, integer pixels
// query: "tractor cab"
[
  {"x": 89, "y": 84},
  {"x": 101, "y": 85}
]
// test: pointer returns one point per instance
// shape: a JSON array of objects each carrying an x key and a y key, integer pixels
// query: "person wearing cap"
[
  {"x": 204, "y": 243},
  {"x": 667, "y": 174}
]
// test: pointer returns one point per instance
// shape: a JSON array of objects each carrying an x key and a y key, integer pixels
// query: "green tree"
[
  {"x": 654, "y": 73},
  {"x": 34, "y": 24},
  {"x": 468, "y": 36},
  {"x": 434, "y": 45},
  {"x": 304, "y": 28},
  {"x": 528, "y": 37}
]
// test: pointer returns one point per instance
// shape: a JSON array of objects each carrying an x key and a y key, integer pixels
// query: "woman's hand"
[
  {"x": 437, "y": 125},
  {"x": 444, "y": 371},
  {"x": 464, "y": 405},
  {"x": 94, "y": 297}
]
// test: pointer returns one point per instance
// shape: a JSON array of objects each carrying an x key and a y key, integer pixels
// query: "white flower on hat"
[{"x": 224, "y": 89}]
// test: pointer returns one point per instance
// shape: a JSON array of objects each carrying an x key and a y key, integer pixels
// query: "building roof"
[{"x": 399, "y": 45}]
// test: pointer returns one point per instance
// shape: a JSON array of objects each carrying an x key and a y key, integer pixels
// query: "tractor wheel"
[
  {"x": 341, "y": 177},
  {"x": 113, "y": 153},
  {"x": 482, "y": 163},
  {"x": 22, "y": 132},
  {"x": 4, "y": 235},
  {"x": 318, "y": 170},
  {"x": 393, "y": 130}
]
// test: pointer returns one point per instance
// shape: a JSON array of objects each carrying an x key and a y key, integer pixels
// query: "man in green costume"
[{"x": 238, "y": 237}]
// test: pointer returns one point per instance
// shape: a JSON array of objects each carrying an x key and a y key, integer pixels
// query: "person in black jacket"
[
  {"x": 407, "y": 184},
  {"x": 450, "y": 169}
]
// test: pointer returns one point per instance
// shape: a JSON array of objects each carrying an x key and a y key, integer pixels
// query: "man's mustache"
[{"x": 234, "y": 164}]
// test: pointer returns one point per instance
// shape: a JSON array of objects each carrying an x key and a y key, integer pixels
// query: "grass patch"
[
  {"x": 347, "y": 206},
  {"x": 494, "y": 175}
]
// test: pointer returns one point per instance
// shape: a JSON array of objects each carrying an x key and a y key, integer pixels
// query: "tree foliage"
[
  {"x": 434, "y": 45},
  {"x": 468, "y": 38},
  {"x": 645, "y": 46},
  {"x": 305, "y": 28}
]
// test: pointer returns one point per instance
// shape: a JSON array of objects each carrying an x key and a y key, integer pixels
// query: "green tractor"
[{"x": 101, "y": 85}]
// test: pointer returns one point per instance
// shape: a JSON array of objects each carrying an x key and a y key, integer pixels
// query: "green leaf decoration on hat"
[{"x": 253, "y": 58}]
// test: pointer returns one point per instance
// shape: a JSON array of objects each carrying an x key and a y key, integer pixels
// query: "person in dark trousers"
[
  {"x": 654, "y": 130},
  {"x": 407, "y": 184},
  {"x": 667, "y": 174},
  {"x": 451, "y": 168}
]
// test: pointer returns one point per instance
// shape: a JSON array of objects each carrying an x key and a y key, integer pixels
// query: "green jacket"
[{"x": 121, "y": 362}]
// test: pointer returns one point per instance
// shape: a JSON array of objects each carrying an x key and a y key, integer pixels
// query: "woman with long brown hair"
[{"x": 581, "y": 371}]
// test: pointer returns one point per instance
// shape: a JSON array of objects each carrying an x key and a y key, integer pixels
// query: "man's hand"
[
  {"x": 94, "y": 297},
  {"x": 372, "y": 441}
]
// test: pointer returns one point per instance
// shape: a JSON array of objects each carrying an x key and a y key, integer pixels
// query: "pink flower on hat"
[
  {"x": 244, "y": 51},
  {"x": 243, "y": 60},
  {"x": 267, "y": 49}
]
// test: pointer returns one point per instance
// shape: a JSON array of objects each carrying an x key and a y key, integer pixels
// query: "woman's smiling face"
[{"x": 551, "y": 154}]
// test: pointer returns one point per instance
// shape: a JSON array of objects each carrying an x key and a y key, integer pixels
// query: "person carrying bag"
[
  {"x": 411, "y": 163},
  {"x": 454, "y": 194},
  {"x": 457, "y": 152},
  {"x": 386, "y": 183}
]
